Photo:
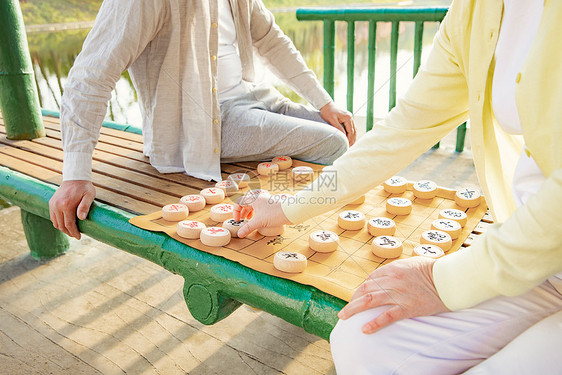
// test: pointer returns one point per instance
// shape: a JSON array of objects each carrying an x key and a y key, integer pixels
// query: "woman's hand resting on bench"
[{"x": 72, "y": 199}]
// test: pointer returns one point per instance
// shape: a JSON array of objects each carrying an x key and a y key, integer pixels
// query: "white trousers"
[
  {"x": 505, "y": 335},
  {"x": 263, "y": 124}
]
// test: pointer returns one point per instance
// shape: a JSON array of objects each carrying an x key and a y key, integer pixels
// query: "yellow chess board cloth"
[{"x": 338, "y": 273}]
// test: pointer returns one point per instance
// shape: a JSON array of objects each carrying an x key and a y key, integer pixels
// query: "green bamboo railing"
[
  {"x": 19, "y": 101},
  {"x": 329, "y": 17}
]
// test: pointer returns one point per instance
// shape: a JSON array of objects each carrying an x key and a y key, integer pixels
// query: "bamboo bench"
[{"x": 127, "y": 185}]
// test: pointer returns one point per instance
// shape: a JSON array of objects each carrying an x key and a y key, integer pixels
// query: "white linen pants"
[
  {"x": 505, "y": 335},
  {"x": 263, "y": 124}
]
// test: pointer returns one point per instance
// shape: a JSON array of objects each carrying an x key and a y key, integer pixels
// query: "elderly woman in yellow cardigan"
[{"x": 495, "y": 307}]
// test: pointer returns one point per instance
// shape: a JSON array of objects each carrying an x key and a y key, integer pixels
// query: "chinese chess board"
[{"x": 338, "y": 273}]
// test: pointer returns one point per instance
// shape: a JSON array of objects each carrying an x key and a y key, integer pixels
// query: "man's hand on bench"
[{"x": 72, "y": 199}]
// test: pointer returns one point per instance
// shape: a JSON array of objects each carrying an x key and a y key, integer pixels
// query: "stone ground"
[{"x": 98, "y": 310}]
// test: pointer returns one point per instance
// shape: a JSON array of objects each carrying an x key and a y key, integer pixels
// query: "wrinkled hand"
[
  {"x": 266, "y": 210},
  {"x": 72, "y": 199},
  {"x": 340, "y": 119},
  {"x": 405, "y": 285}
]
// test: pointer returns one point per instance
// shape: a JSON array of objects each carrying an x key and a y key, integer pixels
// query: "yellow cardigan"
[{"x": 525, "y": 246}]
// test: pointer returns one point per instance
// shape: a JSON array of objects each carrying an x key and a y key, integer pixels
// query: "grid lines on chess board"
[{"x": 338, "y": 273}]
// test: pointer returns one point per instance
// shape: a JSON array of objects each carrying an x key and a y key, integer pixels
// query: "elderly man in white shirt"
[{"x": 192, "y": 65}]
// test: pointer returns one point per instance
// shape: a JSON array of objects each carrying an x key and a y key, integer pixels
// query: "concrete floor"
[{"x": 98, "y": 310}]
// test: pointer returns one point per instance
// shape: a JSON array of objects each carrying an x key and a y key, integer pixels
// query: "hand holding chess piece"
[{"x": 266, "y": 212}]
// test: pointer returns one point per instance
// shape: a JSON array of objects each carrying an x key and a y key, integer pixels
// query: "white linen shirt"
[{"x": 170, "y": 49}]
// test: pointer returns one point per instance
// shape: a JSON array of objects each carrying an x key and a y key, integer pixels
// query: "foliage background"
[{"x": 59, "y": 11}]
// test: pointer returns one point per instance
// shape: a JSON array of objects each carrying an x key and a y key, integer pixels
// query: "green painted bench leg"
[
  {"x": 44, "y": 240},
  {"x": 461, "y": 133},
  {"x": 206, "y": 305}
]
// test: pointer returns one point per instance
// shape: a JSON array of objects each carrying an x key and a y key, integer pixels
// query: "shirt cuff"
[
  {"x": 77, "y": 166},
  {"x": 316, "y": 95},
  {"x": 459, "y": 282},
  {"x": 321, "y": 100}
]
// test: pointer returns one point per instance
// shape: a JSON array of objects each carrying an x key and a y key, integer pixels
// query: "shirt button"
[
  {"x": 215, "y": 25},
  {"x": 217, "y": 151},
  {"x": 214, "y": 58},
  {"x": 215, "y": 89},
  {"x": 216, "y": 121},
  {"x": 518, "y": 78}
]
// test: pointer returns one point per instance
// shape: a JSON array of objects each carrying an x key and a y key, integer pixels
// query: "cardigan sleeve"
[{"x": 510, "y": 258}]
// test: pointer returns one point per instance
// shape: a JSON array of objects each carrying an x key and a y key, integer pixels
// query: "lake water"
[{"x": 53, "y": 54}]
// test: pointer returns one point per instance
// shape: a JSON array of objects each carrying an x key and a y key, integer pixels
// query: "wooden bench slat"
[
  {"x": 231, "y": 168},
  {"x": 252, "y": 165},
  {"x": 53, "y": 123},
  {"x": 55, "y": 141},
  {"x": 121, "y": 159},
  {"x": 102, "y": 195},
  {"x": 113, "y": 170},
  {"x": 112, "y": 157},
  {"x": 51, "y": 148},
  {"x": 131, "y": 154},
  {"x": 130, "y": 145},
  {"x": 133, "y": 163},
  {"x": 117, "y": 146},
  {"x": 107, "y": 182}
]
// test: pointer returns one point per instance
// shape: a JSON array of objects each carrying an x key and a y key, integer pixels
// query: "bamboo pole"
[{"x": 18, "y": 93}]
